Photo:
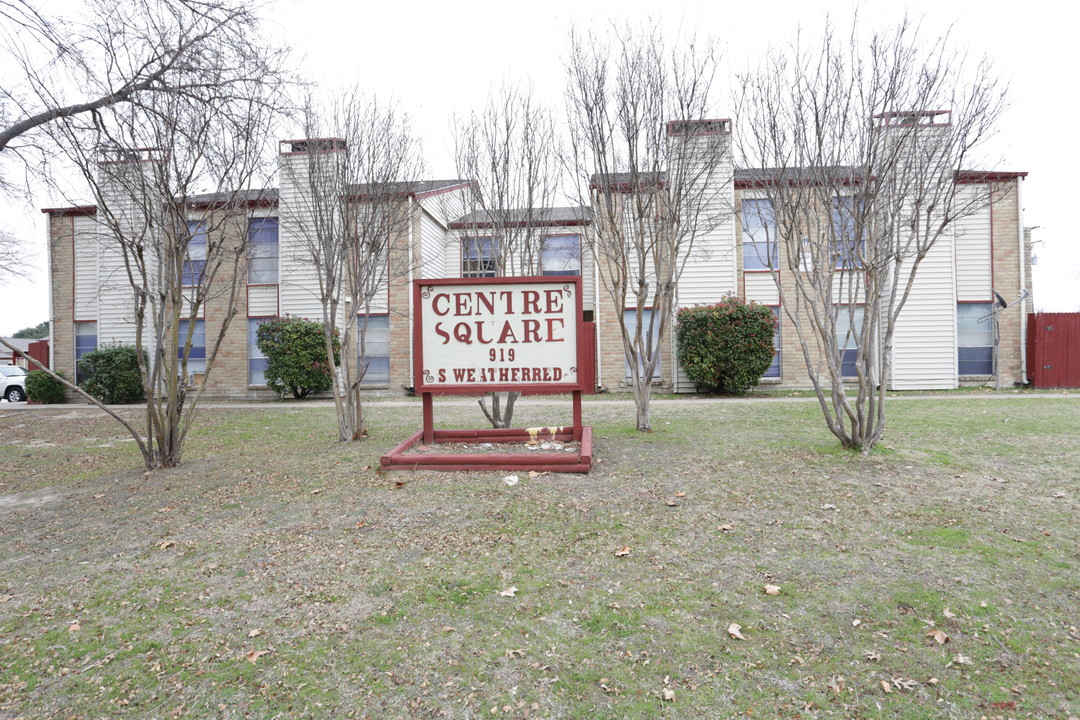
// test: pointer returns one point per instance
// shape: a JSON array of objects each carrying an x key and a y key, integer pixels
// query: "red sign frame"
[
  {"x": 425, "y": 383},
  {"x": 399, "y": 458}
]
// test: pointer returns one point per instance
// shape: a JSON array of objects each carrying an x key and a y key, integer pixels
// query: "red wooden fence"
[
  {"x": 39, "y": 350},
  {"x": 1053, "y": 349}
]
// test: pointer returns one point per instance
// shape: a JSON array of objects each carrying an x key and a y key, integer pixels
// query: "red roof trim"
[{"x": 966, "y": 177}]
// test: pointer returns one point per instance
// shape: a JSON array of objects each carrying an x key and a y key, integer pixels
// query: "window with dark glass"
[
  {"x": 774, "y": 368},
  {"x": 195, "y": 261},
  {"x": 975, "y": 338},
  {"x": 848, "y": 250},
  {"x": 849, "y": 322},
  {"x": 85, "y": 341},
  {"x": 197, "y": 354},
  {"x": 479, "y": 257},
  {"x": 630, "y": 318},
  {"x": 376, "y": 348},
  {"x": 561, "y": 255},
  {"x": 263, "y": 251},
  {"x": 257, "y": 362},
  {"x": 760, "y": 250}
]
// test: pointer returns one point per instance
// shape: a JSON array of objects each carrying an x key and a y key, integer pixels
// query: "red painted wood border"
[{"x": 539, "y": 461}]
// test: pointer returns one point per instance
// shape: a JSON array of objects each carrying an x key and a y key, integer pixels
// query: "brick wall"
[
  {"x": 1005, "y": 229},
  {"x": 61, "y": 266}
]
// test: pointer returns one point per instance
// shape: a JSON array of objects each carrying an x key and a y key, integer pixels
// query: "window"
[
  {"x": 195, "y": 262},
  {"x": 847, "y": 250},
  {"x": 85, "y": 341},
  {"x": 197, "y": 356},
  {"x": 263, "y": 251},
  {"x": 377, "y": 348},
  {"x": 849, "y": 320},
  {"x": 479, "y": 257},
  {"x": 257, "y": 362},
  {"x": 630, "y": 318},
  {"x": 760, "y": 250},
  {"x": 561, "y": 255},
  {"x": 774, "y": 369},
  {"x": 975, "y": 338}
]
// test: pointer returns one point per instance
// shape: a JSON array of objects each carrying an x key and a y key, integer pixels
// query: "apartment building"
[{"x": 943, "y": 339}]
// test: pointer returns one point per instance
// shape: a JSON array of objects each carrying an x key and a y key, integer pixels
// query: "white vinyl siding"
[
  {"x": 973, "y": 247},
  {"x": 761, "y": 288},
  {"x": 87, "y": 284},
  {"x": 432, "y": 240},
  {"x": 924, "y": 355},
  {"x": 263, "y": 301}
]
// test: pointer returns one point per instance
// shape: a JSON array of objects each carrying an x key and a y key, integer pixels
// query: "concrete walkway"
[{"x": 605, "y": 399}]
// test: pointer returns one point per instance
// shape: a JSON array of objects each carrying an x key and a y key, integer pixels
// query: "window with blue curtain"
[
  {"x": 263, "y": 251},
  {"x": 85, "y": 341},
  {"x": 975, "y": 338},
  {"x": 197, "y": 355},
  {"x": 760, "y": 250},
  {"x": 195, "y": 261},
  {"x": 561, "y": 255},
  {"x": 479, "y": 257}
]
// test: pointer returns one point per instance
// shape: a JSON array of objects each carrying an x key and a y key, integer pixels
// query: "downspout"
[
  {"x": 409, "y": 286},
  {"x": 1023, "y": 280},
  {"x": 598, "y": 355}
]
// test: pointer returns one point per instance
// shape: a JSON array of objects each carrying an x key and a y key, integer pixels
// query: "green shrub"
[
  {"x": 726, "y": 347},
  {"x": 111, "y": 374},
  {"x": 43, "y": 388},
  {"x": 295, "y": 353}
]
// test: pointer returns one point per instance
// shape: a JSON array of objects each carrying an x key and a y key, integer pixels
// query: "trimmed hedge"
[
  {"x": 43, "y": 388},
  {"x": 295, "y": 353},
  {"x": 726, "y": 347},
  {"x": 111, "y": 374}
]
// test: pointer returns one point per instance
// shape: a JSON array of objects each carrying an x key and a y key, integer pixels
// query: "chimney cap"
[
  {"x": 717, "y": 126},
  {"x": 309, "y": 145}
]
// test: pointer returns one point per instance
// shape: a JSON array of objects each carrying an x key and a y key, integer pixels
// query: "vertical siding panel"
[{"x": 973, "y": 250}]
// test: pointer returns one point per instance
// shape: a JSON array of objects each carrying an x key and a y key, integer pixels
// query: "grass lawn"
[{"x": 276, "y": 574}]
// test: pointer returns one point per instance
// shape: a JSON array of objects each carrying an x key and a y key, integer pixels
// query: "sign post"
[{"x": 475, "y": 336}]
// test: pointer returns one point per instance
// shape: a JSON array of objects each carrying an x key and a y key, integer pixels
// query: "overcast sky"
[{"x": 440, "y": 58}]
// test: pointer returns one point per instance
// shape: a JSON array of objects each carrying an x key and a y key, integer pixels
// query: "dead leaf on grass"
[
  {"x": 509, "y": 592},
  {"x": 886, "y": 686},
  {"x": 316, "y": 491},
  {"x": 938, "y": 635},
  {"x": 98, "y": 496},
  {"x": 856, "y": 622},
  {"x": 902, "y": 683},
  {"x": 727, "y": 528},
  {"x": 533, "y": 474},
  {"x": 680, "y": 494},
  {"x": 772, "y": 589},
  {"x": 166, "y": 544},
  {"x": 74, "y": 627},
  {"x": 873, "y": 656},
  {"x": 948, "y": 613},
  {"x": 667, "y": 695},
  {"x": 623, "y": 551},
  {"x": 828, "y": 506},
  {"x": 960, "y": 659},
  {"x": 254, "y": 633},
  {"x": 670, "y": 502},
  {"x": 6, "y": 598},
  {"x": 399, "y": 483},
  {"x": 1059, "y": 494},
  {"x": 932, "y": 681},
  {"x": 254, "y": 655},
  {"x": 735, "y": 631}
]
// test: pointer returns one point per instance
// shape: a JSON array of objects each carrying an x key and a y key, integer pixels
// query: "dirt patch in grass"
[{"x": 276, "y": 573}]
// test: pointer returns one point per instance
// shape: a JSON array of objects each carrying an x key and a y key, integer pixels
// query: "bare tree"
[
  {"x": 855, "y": 143},
  {"x": 13, "y": 255},
  {"x": 655, "y": 173},
  {"x": 509, "y": 151},
  {"x": 116, "y": 52},
  {"x": 198, "y": 123},
  {"x": 352, "y": 213}
]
